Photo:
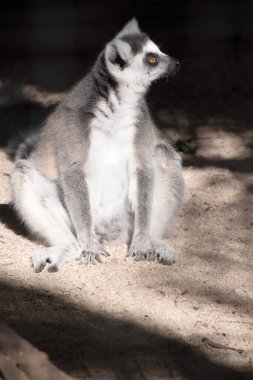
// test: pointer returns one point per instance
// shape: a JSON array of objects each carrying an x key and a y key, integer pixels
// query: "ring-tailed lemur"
[{"x": 99, "y": 170}]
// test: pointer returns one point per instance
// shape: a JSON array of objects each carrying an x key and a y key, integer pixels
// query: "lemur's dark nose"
[{"x": 174, "y": 66}]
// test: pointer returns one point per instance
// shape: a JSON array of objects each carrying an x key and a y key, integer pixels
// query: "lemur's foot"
[
  {"x": 149, "y": 251},
  {"x": 56, "y": 257},
  {"x": 46, "y": 255}
]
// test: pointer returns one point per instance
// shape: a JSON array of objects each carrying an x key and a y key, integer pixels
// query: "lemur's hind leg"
[
  {"x": 168, "y": 196},
  {"x": 37, "y": 201}
]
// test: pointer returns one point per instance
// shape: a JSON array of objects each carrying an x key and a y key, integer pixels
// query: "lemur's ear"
[
  {"x": 131, "y": 27},
  {"x": 118, "y": 52}
]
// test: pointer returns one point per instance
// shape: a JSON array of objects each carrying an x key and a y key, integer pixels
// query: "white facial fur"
[{"x": 136, "y": 73}]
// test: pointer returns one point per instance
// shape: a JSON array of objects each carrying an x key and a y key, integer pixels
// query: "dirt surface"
[{"x": 135, "y": 320}]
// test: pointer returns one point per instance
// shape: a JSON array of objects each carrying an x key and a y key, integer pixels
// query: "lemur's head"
[{"x": 133, "y": 59}]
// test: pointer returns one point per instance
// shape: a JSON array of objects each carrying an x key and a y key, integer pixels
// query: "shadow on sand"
[{"x": 80, "y": 340}]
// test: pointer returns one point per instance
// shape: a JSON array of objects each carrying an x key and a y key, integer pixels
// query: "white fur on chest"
[{"x": 110, "y": 162}]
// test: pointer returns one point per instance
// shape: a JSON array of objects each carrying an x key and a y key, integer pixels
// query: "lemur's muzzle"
[{"x": 173, "y": 66}]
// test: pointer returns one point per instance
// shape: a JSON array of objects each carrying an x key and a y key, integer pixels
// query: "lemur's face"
[{"x": 133, "y": 59}]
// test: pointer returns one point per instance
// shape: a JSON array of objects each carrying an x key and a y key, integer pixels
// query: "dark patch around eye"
[
  {"x": 152, "y": 59},
  {"x": 136, "y": 41}
]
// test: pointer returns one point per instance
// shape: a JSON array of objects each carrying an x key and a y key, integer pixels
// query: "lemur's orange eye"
[{"x": 152, "y": 59}]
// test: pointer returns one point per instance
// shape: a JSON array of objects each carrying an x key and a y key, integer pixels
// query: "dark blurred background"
[{"x": 46, "y": 46}]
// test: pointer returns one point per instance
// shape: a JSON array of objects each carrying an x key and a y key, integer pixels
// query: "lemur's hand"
[
  {"x": 141, "y": 249},
  {"x": 92, "y": 251}
]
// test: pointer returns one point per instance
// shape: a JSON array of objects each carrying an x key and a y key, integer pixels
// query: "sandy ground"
[{"x": 132, "y": 320}]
